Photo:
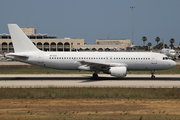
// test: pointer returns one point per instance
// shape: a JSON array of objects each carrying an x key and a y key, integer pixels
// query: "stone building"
[{"x": 52, "y": 43}]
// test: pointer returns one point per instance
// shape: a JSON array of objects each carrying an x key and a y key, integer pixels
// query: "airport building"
[
  {"x": 106, "y": 45},
  {"x": 52, "y": 43}
]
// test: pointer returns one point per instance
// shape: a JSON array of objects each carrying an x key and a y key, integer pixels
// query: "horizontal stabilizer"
[{"x": 16, "y": 56}]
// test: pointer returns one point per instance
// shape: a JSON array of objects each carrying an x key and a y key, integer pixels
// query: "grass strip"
[{"x": 91, "y": 92}]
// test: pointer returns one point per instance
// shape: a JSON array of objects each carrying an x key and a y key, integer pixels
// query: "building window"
[{"x": 78, "y": 43}]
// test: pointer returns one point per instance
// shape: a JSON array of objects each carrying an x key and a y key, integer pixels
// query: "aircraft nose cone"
[
  {"x": 174, "y": 54},
  {"x": 173, "y": 64}
]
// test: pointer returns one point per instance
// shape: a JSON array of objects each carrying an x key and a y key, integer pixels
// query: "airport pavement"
[{"x": 85, "y": 80}]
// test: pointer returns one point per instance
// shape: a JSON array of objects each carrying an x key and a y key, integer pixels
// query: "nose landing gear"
[{"x": 152, "y": 74}]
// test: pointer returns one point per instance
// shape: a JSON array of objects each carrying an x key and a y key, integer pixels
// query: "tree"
[
  {"x": 158, "y": 46},
  {"x": 144, "y": 38},
  {"x": 149, "y": 44},
  {"x": 171, "y": 45},
  {"x": 171, "y": 41},
  {"x": 165, "y": 45},
  {"x": 145, "y": 47},
  {"x": 157, "y": 39}
]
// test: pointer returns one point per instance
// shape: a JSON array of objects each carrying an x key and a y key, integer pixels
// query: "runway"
[{"x": 85, "y": 80}]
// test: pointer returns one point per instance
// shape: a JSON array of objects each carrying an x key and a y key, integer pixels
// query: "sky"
[{"x": 96, "y": 19}]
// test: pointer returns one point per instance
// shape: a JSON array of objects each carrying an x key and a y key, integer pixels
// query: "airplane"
[
  {"x": 114, "y": 63},
  {"x": 169, "y": 52}
]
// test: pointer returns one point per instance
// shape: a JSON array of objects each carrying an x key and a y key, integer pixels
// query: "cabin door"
[
  {"x": 41, "y": 58},
  {"x": 153, "y": 59}
]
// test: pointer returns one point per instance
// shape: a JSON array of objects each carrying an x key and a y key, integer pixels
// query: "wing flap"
[{"x": 100, "y": 65}]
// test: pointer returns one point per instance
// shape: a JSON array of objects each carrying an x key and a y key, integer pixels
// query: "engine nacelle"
[{"x": 118, "y": 71}]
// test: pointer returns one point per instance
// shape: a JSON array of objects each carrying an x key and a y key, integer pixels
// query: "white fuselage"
[
  {"x": 72, "y": 60},
  {"x": 114, "y": 63}
]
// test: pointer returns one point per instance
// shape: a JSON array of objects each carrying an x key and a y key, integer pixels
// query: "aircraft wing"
[{"x": 100, "y": 65}]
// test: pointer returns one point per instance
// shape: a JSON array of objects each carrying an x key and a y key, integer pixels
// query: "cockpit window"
[
  {"x": 172, "y": 52},
  {"x": 166, "y": 58}
]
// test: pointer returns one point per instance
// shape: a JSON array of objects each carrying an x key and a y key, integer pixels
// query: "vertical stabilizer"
[{"x": 21, "y": 42}]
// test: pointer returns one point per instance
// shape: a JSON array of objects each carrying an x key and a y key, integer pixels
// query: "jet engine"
[{"x": 118, "y": 71}]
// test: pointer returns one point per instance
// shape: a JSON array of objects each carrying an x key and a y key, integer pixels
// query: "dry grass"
[
  {"x": 91, "y": 92},
  {"x": 89, "y": 109},
  {"x": 90, "y": 103}
]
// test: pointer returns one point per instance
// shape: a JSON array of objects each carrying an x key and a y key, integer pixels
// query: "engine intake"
[{"x": 118, "y": 71}]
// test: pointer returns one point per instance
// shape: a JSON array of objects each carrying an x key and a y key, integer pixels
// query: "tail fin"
[{"x": 20, "y": 41}]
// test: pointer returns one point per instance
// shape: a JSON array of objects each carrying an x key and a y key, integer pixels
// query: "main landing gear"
[
  {"x": 95, "y": 76},
  {"x": 152, "y": 74}
]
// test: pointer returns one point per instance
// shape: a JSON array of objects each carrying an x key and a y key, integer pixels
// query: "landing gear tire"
[
  {"x": 153, "y": 77},
  {"x": 95, "y": 76},
  {"x": 152, "y": 74}
]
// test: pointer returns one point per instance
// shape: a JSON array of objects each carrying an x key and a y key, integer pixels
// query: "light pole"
[{"x": 132, "y": 23}]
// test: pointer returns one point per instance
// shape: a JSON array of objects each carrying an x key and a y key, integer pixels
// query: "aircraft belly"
[
  {"x": 62, "y": 65},
  {"x": 138, "y": 65},
  {"x": 68, "y": 66}
]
